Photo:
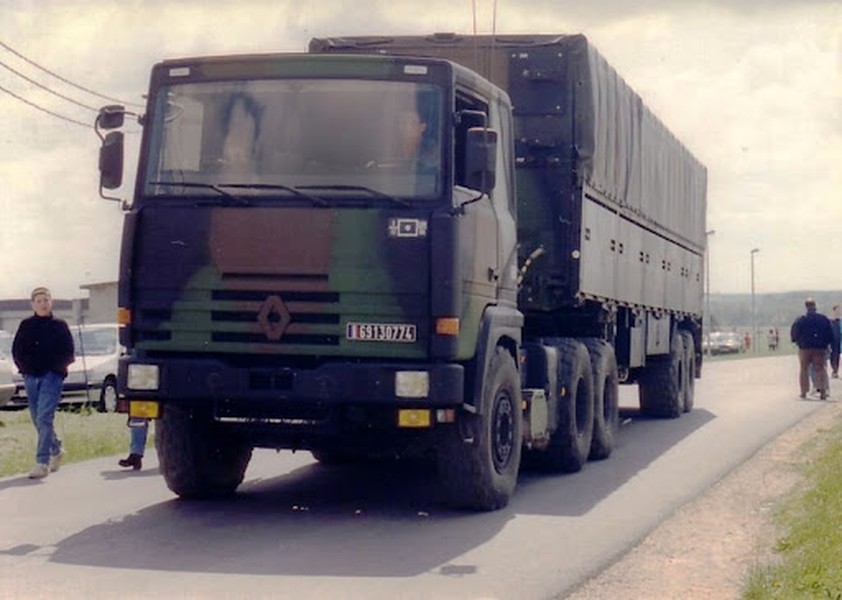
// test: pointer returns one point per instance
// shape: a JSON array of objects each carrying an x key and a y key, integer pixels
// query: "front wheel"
[
  {"x": 479, "y": 456},
  {"x": 197, "y": 458}
]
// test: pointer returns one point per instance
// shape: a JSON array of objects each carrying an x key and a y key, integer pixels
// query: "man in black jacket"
[
  {"x": 42, "y": 350},
  {"x": 813, "y": 334}
]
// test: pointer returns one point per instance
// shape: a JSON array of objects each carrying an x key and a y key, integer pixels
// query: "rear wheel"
[
  {"x": 479, "y": 456},
  {"x": 689, "y": 370},
  {"x": 570, "y": 443},
  {"x": 197, "y": 458},
  {"x": 606, "y": 398},
  {"x": 661, "y": 388}
]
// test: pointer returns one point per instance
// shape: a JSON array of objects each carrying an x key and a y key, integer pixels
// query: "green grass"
[
  {"x": 84, "y": 435},
  {"x": 810, "y": 549}
]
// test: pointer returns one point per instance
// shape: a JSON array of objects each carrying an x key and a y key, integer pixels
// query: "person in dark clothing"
[
  {"x": 42, "y": 350},
  {"x": 813, "y": 334},
  {"x": 834, "y": 347}
]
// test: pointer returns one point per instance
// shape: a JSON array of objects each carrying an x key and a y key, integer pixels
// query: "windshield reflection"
[{"x": 337, "y": 135}]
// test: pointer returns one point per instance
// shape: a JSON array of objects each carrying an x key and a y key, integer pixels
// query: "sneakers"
[
  {"x": 135, "y": 461},
  {"x": 39, "y": 471},
  {"x": 55, "y": 461}
]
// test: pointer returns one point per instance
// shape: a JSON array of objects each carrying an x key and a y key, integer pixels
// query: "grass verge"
[
  {"x": 84, "y": 434},
  {"x": 810, "y": 548}
]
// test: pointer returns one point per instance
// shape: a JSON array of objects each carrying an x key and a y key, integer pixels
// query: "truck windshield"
[{"x": 271, "y": 137}]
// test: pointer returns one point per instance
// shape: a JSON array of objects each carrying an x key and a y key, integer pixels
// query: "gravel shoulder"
[{"x": 706, "y": 549}]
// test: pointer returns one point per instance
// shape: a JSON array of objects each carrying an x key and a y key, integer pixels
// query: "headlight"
[
  {"x": 412, "y": 384},
  {"x": 142, "y": 377}
]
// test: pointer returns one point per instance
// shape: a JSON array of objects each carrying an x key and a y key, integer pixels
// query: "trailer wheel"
[
  {"x": 197, "y": 459},
  {"x": 479, "y": 456},
  {"x": 689, "y": 370},
  {"x": 661, "y": 387},
  {"x": 570, "y": 443},
  {"x": 606, "y": 420}
]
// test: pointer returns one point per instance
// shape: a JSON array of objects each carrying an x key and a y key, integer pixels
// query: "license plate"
[{"x": 381, "y": 332}]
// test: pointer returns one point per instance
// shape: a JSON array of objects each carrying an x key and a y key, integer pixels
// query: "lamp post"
[
  {"x": 753, "y": 317},
  {"x": 707, "y": 318}
]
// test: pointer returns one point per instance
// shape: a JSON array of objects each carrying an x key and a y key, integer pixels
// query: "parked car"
[
  {"x": 724, "y": 342},
  {"x": 92, "y": 378},
  {"x": 7, "y": 379},
  {"x": 8, "y": 386}
]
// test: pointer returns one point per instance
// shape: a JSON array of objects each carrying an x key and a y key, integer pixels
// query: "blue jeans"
[
  {"x": 43, "y": 394},
  {"x": 138, "y": 439}
]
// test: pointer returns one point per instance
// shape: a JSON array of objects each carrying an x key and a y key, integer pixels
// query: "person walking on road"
[
  {"x": 42, "y": 350},
  {"x": 137, "y": 444},
  {"x": 834, "y": 348},
  {"x": 813, "y": 333}
]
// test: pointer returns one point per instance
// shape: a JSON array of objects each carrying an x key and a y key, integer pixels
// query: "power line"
[
  {"x": 60, "y": 78},
  {"x": 46, "y": 89},
  {"x": 42, "y": 109}
]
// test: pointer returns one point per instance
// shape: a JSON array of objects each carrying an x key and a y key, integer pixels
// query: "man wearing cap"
[
  {"x": 42, "y": 350},
  {"x": 813, "y": 334}
]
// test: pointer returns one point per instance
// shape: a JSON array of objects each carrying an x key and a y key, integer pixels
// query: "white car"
[
  {"x": 8, "y": 386},
  {"x": 7, "y": 379},
  {"x": 92, "y": 378}
]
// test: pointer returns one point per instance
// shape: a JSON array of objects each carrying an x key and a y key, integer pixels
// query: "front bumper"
[
  {"x": 294, "y": 407},
  {"x": 334, "y": 383}
]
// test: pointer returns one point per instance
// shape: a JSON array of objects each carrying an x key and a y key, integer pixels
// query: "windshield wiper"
[
  {"x": 231, "y": 198},
  {"x": 277, "y": 186},
  {"x": 239, "y": 200},
  {"x": 356, "y": 188}
]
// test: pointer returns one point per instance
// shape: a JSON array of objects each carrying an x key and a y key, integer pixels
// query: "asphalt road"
[{"x": 300, "y": 530}]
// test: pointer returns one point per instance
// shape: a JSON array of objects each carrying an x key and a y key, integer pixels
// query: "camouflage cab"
[{"x": 320, "y": 254}]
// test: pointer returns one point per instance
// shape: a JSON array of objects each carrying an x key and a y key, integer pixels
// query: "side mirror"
[
  {"x": 111, "y": 117},
  {"x": 111, "y": 161},
  {"x": 481, "y": 159}
]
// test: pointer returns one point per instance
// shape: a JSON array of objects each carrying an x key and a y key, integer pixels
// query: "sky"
[{"x": 752, "y": 87}]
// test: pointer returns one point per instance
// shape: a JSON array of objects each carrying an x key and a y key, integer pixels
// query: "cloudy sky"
[{"x": 752, "y": 87}]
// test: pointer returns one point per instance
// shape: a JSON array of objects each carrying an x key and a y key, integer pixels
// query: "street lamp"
[
  {"x": 707, "y": 318},
  {"x": 753, "y": 318}
]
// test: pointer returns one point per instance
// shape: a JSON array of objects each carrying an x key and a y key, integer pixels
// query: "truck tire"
[
  {"x": 661, "y": 387},
  {"x": 570, "y": 443},
  {"x": 196, "y": 459},
  {"x": 478, "y": 457},
  {"x": 689, "y": 370},
  {"x": 606, "y": 383}
]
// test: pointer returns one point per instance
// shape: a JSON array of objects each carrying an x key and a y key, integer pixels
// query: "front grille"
[
  {"x": 228, "y": 316},
  {"x": 287, "y": 338},
  {"x": 260, "y": 296}
]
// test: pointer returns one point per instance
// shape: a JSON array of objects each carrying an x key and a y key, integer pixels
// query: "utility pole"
[{"x": 753, "y": 314}]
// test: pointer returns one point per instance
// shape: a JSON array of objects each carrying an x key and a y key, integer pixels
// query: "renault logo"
[{"x": 273, "y": 317}]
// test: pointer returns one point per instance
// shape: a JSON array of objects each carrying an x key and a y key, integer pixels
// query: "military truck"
[{"x": 447, "y": 247}]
